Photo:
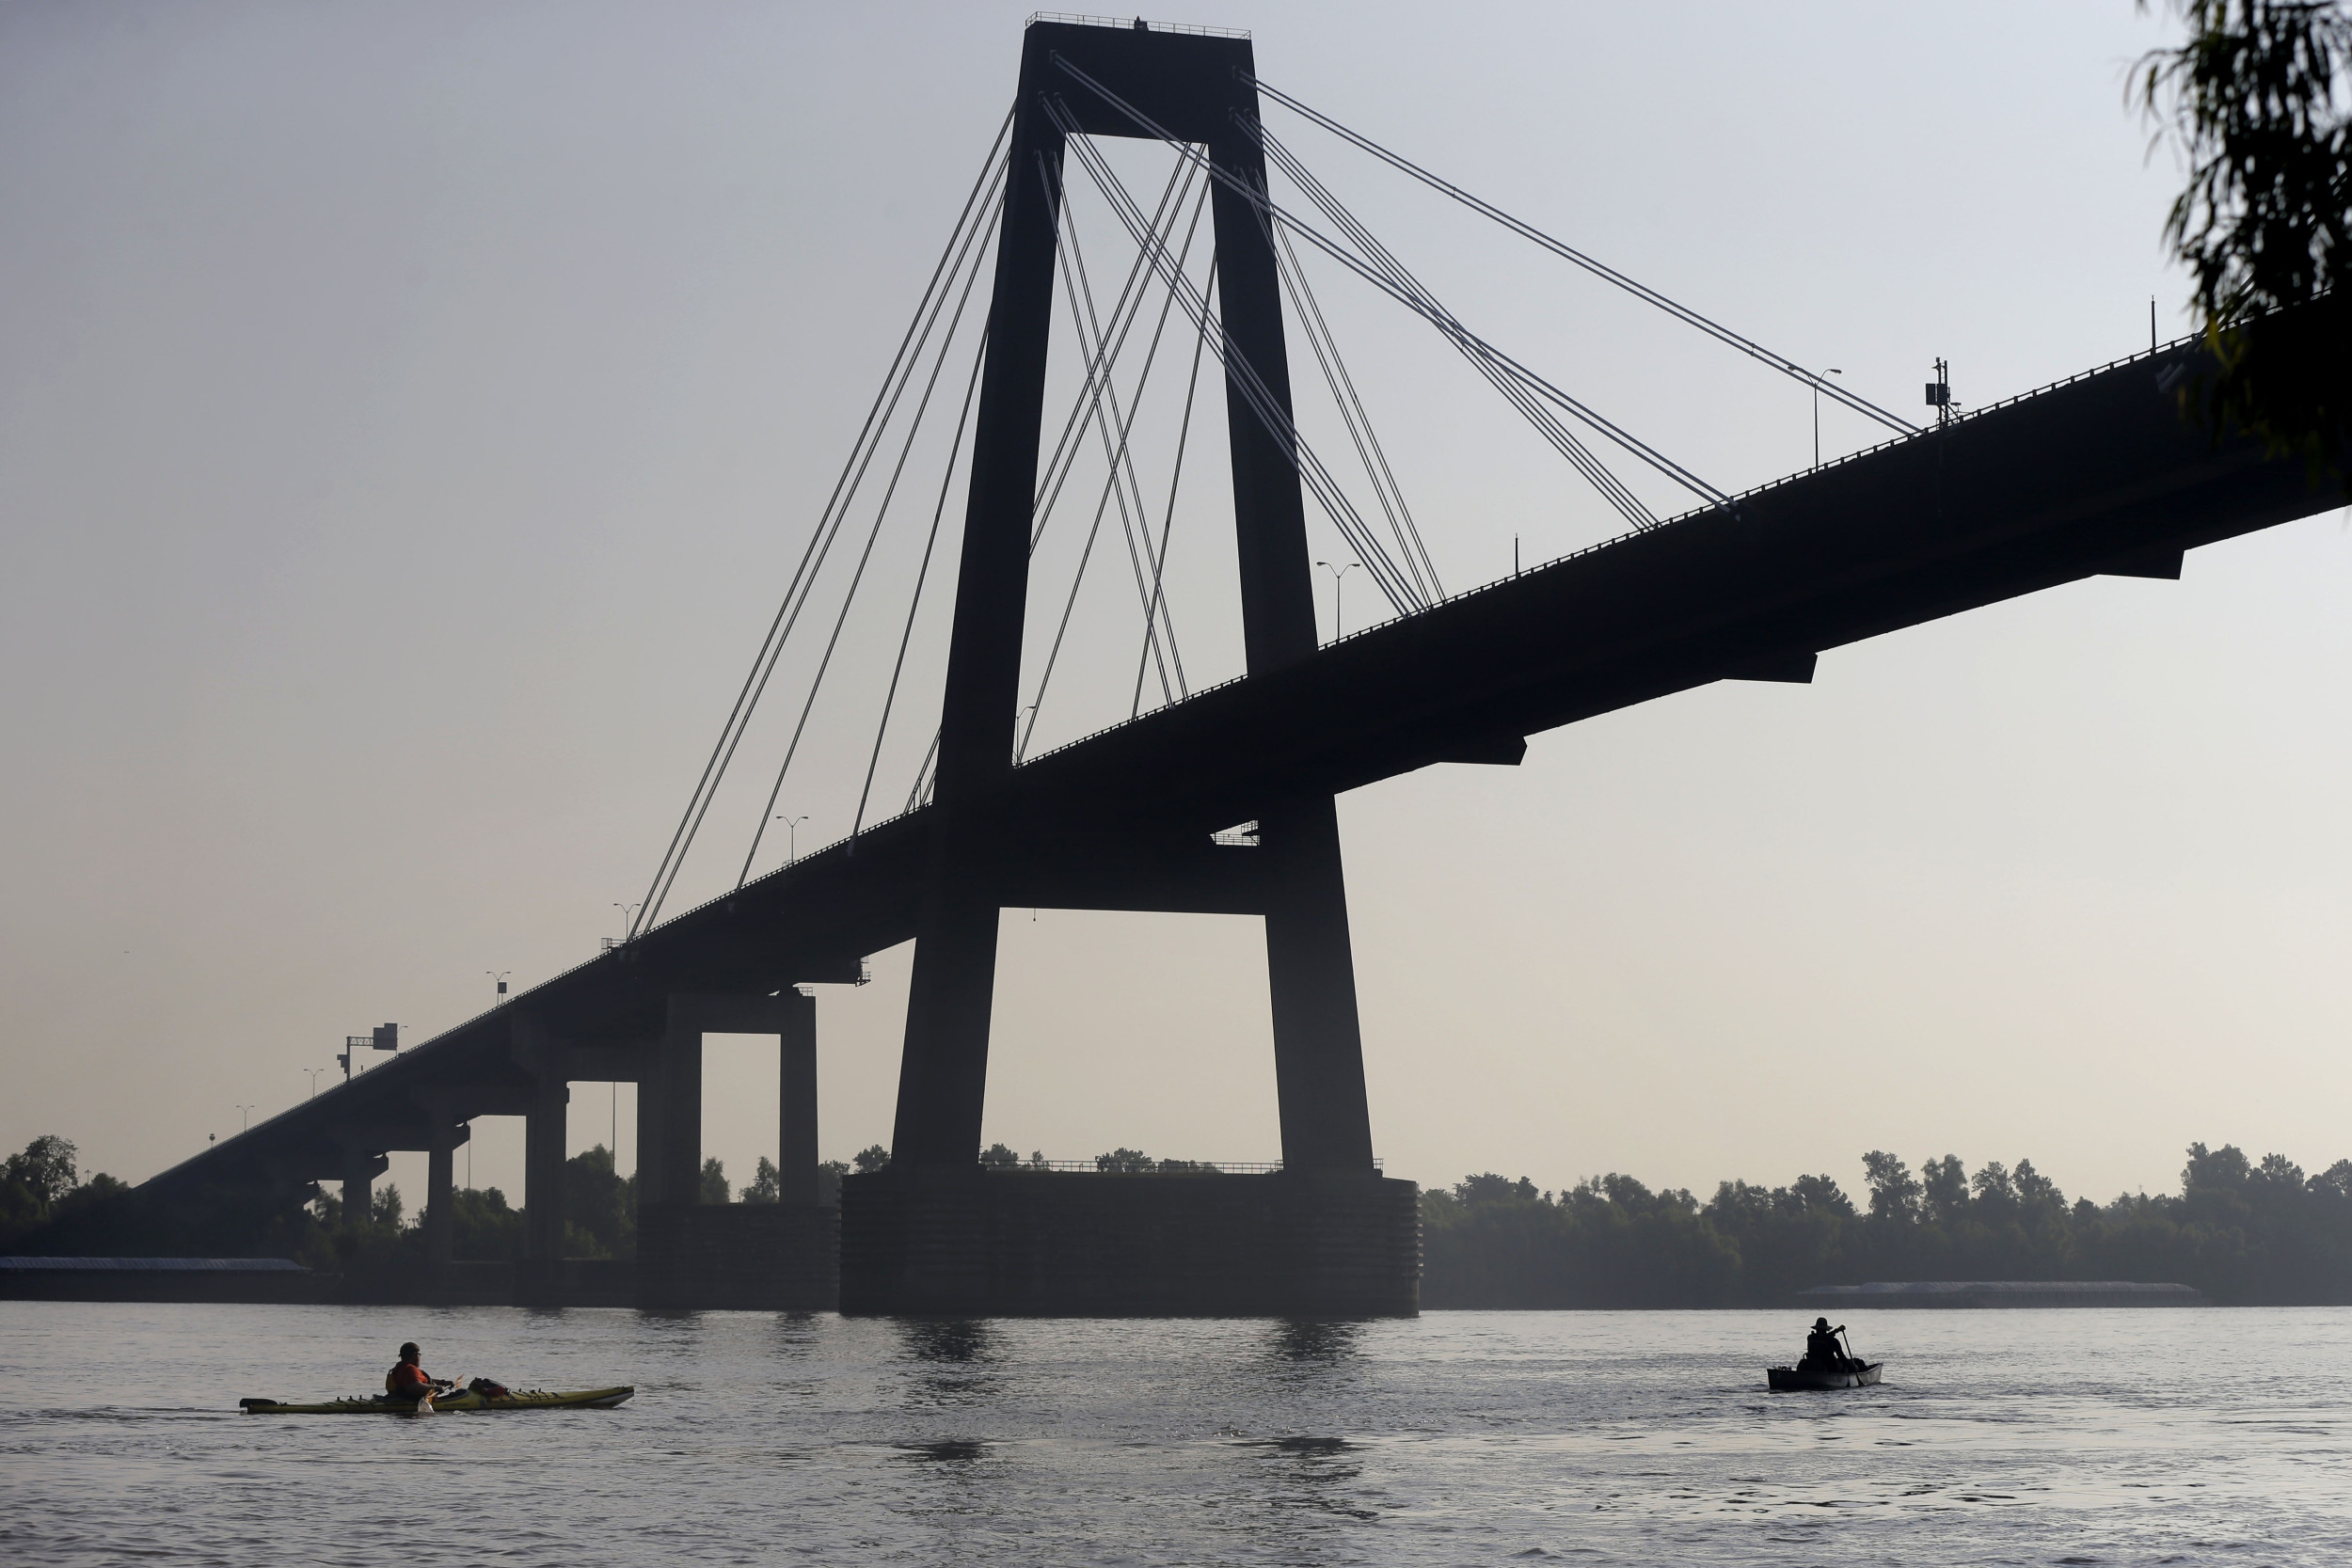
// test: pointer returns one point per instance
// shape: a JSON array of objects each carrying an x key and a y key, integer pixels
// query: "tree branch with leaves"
[{"x": 2255, "y": 100}]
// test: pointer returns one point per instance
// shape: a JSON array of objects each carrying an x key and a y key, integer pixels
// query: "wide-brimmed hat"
[{"x": 1820, "y": 1322}]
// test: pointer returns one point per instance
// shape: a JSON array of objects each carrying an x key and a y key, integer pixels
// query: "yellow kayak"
[{"x": 456, "y": 1399}]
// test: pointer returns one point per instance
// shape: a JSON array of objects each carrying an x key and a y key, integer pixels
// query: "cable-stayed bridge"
[{"x": 1217, "y": 799}]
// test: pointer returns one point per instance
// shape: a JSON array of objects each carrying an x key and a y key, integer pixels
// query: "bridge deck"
[{"x": 2097, "y": 474}]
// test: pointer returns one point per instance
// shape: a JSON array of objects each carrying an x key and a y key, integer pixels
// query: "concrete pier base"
[
  {"x": 1055, "y": 1243},
  {"x": 759, "y": 1256}
]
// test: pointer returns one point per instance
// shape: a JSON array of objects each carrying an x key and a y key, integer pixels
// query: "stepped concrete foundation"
[
  {"x": 1054, "y": 1244},
  {"x": 754, "y": 1256}
]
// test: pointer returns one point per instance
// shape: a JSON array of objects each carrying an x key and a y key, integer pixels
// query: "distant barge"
[{"x": 1998, "y": 1293}]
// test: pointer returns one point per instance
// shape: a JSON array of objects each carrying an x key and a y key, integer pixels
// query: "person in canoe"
[
  {"x": 406, "y": 1381},
  {"x": 1822, "y": 1353}
]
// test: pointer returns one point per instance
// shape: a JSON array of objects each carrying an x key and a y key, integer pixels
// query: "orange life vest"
[{"x": 405, "y": 1378}]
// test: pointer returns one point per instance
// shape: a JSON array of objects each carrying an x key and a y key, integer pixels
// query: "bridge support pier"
[
  {"x": 361, "y": 1166},
  {"x": 545, "y": 1128},
  {"x": 441, "y": 1200},
  {"x": 440, "y": 1183},
  {"x": 737, "y": 1255},
  {"x": 670, "y": 1111},
  {"x": 796, "y": 1097}
]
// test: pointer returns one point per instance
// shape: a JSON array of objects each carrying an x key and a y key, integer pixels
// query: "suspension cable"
[
  {"x": 1099, "y": 366},
  {"x": 1514, "y": 389},
  {"x": 1183, "y": 434},
  {"x": 923, "y": 771},
  {"x": 1353, "y": 414},
  {"x": 848, "y": 598},
  {"x": 841, "y": 516},
  {"x": 1244, "y": 379},
  {"x": 922, "y": 575},
  {"x": 1438, "y": 317},
  {"x": 1123, "y": 459},
  {"x": 1262, "y": 402},
  {"x": 1516, "y": 381},
  {"x": 1599, "y": 269},
  {"x": 1120, "y": 456},
  {"x": 980, "y": 199}
]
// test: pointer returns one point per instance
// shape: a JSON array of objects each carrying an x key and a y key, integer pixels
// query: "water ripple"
[{"x": 2070, "y": 1438}]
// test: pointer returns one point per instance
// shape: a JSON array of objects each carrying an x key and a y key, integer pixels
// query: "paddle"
[
  {"x": 1849, "y": 1355},
  {"x": 435, "y": 1388}
]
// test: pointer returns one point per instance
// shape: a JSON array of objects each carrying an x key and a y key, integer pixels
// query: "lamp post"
[
  {"x": 792, "y": 837},
  {"x": 314, "y": 1072},
  {"x": 245, "y": 1118},
  {"x": 1816, "y": 414},
  {"x": 1337, "y": 575},
  {"x": 627, "y": 912},
  {"x": 500, "y": 977}
]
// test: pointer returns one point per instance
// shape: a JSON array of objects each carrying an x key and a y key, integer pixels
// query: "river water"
[{"x": 2065, "y": 1436}]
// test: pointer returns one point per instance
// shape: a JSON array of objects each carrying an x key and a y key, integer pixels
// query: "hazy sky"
[{"x": 409, "y": 414}]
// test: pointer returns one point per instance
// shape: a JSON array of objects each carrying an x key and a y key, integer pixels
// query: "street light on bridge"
[
  {"x": 1816, "y": 414},
  {"x": 1336, "y": 574}
]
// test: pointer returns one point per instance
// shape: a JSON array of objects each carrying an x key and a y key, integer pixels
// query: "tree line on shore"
[
  {"x": 2245, "y": 1233},
  {"x": 46, "y": 1210}
]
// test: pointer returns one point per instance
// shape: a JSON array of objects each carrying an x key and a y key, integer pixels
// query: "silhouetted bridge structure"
[{"x": 2096, "y": 475}]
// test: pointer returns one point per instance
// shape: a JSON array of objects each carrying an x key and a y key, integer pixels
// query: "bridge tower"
[{"x": 1201, "y": 89}]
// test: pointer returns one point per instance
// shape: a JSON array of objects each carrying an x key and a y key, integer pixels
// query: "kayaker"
[
  {"x": 1822, "y": 1352},
  {"x": 406, "y": 1381}
]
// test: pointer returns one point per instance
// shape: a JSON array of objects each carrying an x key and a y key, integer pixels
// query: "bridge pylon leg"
[
  {"x": 360, "y": 1167},
  {"x": 441, "y": 1201},
  {"x": 673, "y": 1153},
  {"x": 943, "y": 1074},
  {"x": 1310, "y": 979},
  {"x": 545, "y": 1126},
  {"x": 944, "y": 1066},
  {"x": 795, "y": 1094},
  {"x": 650, "y": 1107}
]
